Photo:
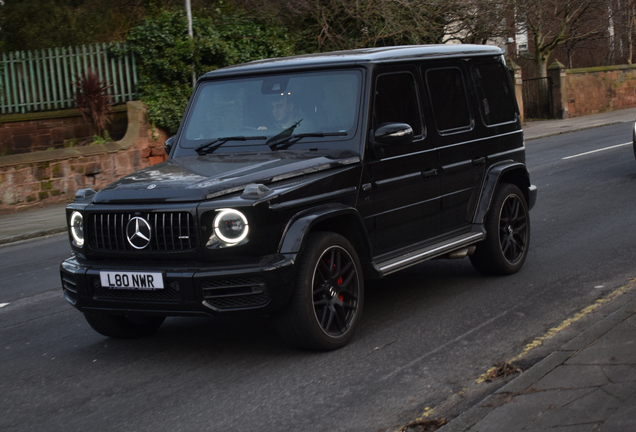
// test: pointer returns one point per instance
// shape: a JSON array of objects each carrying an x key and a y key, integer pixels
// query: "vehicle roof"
[{"x": 358, "y": 56}]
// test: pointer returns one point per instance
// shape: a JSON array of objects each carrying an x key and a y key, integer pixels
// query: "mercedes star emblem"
[{"x": 138, "y": 232}]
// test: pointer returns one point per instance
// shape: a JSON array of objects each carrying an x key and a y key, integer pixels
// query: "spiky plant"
[{"x": 93, "y": 100}]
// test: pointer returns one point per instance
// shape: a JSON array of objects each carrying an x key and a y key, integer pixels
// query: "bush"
[
  {"x": 165, "y": 55},
  {"x": 92, "y": 99}
]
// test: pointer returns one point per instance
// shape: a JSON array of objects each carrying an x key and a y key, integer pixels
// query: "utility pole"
[{"x": 191, "y": 35}]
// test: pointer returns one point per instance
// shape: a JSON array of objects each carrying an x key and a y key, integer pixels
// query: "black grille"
[
  {"x": 235, "y": 293},
  {"x": 170, "y": 231},
  {"x": 168, "y": 294}
]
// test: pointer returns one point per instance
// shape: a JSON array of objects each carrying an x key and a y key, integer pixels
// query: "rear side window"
[
  {"x": 396, "y": 101},
  {"x": 496, "y": 101},
  {"x": 448, "y": 98}
]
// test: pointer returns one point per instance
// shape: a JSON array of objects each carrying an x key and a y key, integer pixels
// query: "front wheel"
[
  {"x": 123, "y": 326},
  {"x": 327, "y": 299},
  {"x": 507, "y": 224}
]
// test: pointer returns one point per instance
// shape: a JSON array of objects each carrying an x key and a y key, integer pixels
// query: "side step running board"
[{"x": 416, "y": 257}]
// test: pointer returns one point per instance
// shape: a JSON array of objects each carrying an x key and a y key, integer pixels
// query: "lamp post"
[{"x": 191, "y": 35}]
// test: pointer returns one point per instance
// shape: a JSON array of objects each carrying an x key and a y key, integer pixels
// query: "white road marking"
[
  {"x": 594, "y": 151},
  {"x": 3, "y": 305}
]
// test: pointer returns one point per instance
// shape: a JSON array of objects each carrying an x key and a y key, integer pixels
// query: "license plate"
[{"x": 131, "y": 280}]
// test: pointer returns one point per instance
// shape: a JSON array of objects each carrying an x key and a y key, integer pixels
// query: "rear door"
[{"x": 462, "y": 156}]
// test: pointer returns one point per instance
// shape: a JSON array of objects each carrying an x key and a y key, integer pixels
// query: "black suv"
[{"x": 292, "y": 180}]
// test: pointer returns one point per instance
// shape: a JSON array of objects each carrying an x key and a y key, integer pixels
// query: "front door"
[{"x": 403, "y": 183}]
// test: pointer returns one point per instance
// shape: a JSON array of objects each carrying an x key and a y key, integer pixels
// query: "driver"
[
  {"x": 285, "y": 114},
  {"x": 283, "y": 111}
]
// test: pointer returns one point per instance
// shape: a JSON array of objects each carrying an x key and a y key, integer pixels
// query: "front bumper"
[{"x": 257, "y": 286}]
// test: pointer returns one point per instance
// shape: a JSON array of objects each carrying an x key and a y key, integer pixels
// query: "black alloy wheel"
[
  {"x": 513, "y": 229},
  {"x": 335, "y": 290},
  {"x": 507, "y": 240},
  {"x": 327, "y": 300}
]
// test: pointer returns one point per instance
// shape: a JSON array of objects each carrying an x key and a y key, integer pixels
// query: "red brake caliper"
[{"x": 339, "y": 282}]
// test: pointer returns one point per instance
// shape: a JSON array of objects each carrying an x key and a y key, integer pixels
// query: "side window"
[
  {"x": 496, "y": 101},
  {"x": 396, "y": 101},
  {"x": 448, "y": 98}
]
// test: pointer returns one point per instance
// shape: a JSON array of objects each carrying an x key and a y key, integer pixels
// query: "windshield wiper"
[
  {"x": 284, "y": 135},
  {"x": 283, "y": 143},
  {"x": 215, "y": 144}
]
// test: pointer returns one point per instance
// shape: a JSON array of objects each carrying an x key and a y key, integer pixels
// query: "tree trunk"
[
  {"x": 630, "y": 30},
  {"x": 541, "y": 60}
]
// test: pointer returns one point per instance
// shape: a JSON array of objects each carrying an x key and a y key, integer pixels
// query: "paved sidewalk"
[
  {"x": 32, "y": 223},
  {"x": 588, "y": 385},
  {"x": 545, "y": 128}
]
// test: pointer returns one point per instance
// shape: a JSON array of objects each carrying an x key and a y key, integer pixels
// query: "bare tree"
[
  {"x": 622, "y": 29},
  {"x": 347, "y": 24},
  {"x": 551, "y": 23},
  {"x": 480, "y": 21}
]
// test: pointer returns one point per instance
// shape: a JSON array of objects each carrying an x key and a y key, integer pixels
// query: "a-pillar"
[{"x": 557, "y": 74}]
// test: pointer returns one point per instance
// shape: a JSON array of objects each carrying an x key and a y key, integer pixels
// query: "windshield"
[{"x": 317, "y": 110}]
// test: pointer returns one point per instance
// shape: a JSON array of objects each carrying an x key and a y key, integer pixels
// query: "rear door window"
[
  {"x": 448, "y": 99},
  {"x": 496, "y": 101}
]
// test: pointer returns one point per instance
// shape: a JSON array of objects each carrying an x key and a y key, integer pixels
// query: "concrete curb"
[
  {"x": 32, "y": 234},
  {"x": 526, "y": 380},
  {"x": 578, "y": 129}
]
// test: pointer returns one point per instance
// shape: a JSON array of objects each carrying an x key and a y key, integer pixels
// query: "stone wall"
[
  {"x": 579, "y": 92},
  {"x": 53, "y": 176},
  {"x": 592, "y": 91},
  {"x": 30, "y": 132}
]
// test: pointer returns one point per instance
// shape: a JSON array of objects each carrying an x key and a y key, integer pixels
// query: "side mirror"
[
  {"x": 168, "y": 145},
  {"x": 393, "y": 134}
]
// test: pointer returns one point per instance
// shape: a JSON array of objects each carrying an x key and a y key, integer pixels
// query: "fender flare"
[
  {"x": 517, "y": 173},
  {"x": 302, "y": 223}
]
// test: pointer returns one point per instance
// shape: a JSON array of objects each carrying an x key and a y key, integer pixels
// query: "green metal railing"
[{"x": 43, "y": 80}]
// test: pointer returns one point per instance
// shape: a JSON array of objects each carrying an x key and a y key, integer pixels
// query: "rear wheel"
[
  {"x": 123, "y": 326},
  {"x": 507, "y": 233},
  {"x": 327, "y": 300}
]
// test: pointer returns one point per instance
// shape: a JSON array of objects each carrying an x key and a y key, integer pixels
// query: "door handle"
[
  {"x": 429, "y": 173},
  {"x": 479, "y": 161}
]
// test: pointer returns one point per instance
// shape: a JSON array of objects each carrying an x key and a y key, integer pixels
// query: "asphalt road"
[{"x": 426, "y": 334}]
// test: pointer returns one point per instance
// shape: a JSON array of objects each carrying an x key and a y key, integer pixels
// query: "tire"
[
  {"x": 123, "y": 326},
  {"x": 507, "y": 225},
  {"x": 328, "y": 295},
  {"x": 634, "y": 138}
]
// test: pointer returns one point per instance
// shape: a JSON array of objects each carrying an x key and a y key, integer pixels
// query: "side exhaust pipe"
[{"x": 461, "y": 253}]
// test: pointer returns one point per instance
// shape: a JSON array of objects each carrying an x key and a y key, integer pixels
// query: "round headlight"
[
  {"x": 230, "y": 226},
  {"x": 77, "y": 228}
]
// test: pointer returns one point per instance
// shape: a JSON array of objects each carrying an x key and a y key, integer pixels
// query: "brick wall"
[
  {"x": 24, "y": 133},
  {"x": 49, "y": 177},
  {"x": 592, "y": 91}
]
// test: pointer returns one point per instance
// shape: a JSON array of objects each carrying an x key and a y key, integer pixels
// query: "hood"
[{"x": 196, "y": 178}]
